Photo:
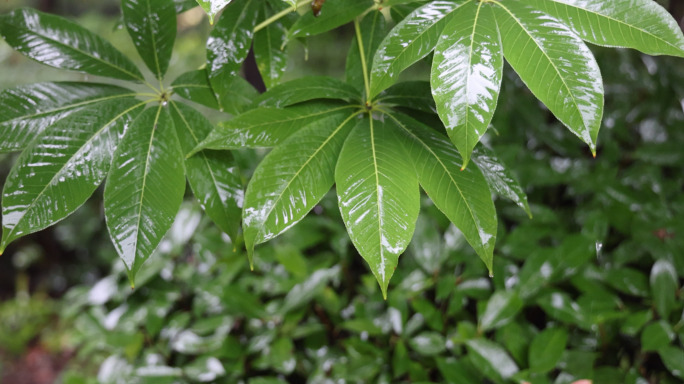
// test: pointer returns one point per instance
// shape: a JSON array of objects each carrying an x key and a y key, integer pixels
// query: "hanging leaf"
[
  {"x": 640, "y": 24},
  {"x": 307, "y": 88},
  {"x": 228, "y": 45},
  {"x": 59, "y": 171},
  {"x": 293, "y": 178},
  {"x": 565, "y": 76},
  {"x": 28, "y": 109},
  {"x": 213, "y": 175},
  {"x": 144, "y": 188},
  {"x": 499, "y": 179},
  {"x": 60, "y": 43},
  {"x": 409, "y": 41},
  {"x": 267, "y": 127},
  {"x": 334, "y": 14},
  {"x": 269, "y": 49},
  {"x": 152, "y": 26},
  {"x": 372, "y": 29},
  {"x": 466, "y": 75},
  {"x": 212, "y": 7},
  {"x": 379, "y": 212},
  {"x": 463, "y": 196}
]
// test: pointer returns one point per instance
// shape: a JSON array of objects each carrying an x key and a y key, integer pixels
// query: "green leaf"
[
  {"x": 560, "y": 306},
  {"x": 213, "y": 175},
  {"x": 656, "y": 336},
  {"x": 491, "y": 359},
  {"x": 269, "y": 49},
  {"x": 144, "y": 188},
  {"x": 212, "y": 7},
  {"x": 409, "y": 94},
  {"x": 152, "y": 26},
  {"x": 229, "y": 43},
  {"x": 60, "y": 43},
  {"x": 333, "y": 14},
  {"x": 629, "y": 281},
  {"x": 555, "y": 65},
  {"x": 664, "y": 283},
  {"x": 640, "y": 24},
  {"x": 378, "y": 196},
  {"x": 281, "y": 356},
  {"x": 28, "y": 109},
  {"x": 194, "y": 86},
  {"x": 501, "y": 308},
  {"x": 463, "y": 196},
  {"x": 428, "y": 343},
  {"x": 292, "y": 179},
  {"x": 372, "y": 29},
  {"x": 466, "y": 74},
  {"x": 673, "y": 358},
  {"x": 267, "y": 127},
  {"x": 547, "y": 349},
  {"x": 409, "y": 41},
  {"x": 499, "y": 179},
  {"x": 304, "y": 89},
  {"x": 61, "y": 168}
]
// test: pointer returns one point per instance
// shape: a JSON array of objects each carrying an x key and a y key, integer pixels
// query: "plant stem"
[
  {"x": 278, "y": 15},
  {"x": 362, "y": 53}
]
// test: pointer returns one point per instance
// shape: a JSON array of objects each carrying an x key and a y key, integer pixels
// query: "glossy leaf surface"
[
  {"x": 372, "y": 29},
  {"x": 547, "y": 349},
  {"x": 491, "y": 358},
  {"x": 60, "y": 43},
  {"x": 194, "y": 86},
  {"x": 229, "y": 43},
  {"x": 379, "y": 211},
  {"x": 664, "y": 284},
  {"x": 269, "y": 49},
  {"x": 213, "y": 175},
  {"x": 409, "y": 94},
  {"x": 305, "y": 89},
  {"x": 499, "y": 178},
  {"x": 673, "y": 358},
  {"x": 61, "y": 169},
  {"x": 334, "y": 13},
  {"x": 266, "y": 127},
  {"x": 501, "y": 308},
  {"x": 640, "y": 24},
  {"x": 212, "y": 7},
  {"x": 28, "y": 109},
  {"x": 409, "y": 41},
  {"x": 555, "y": 65},
  {"x": 463, "y": 196},
  {"x": 152, "y": 27},
  {"x": 293, "y": 178},
  {"x": 144, "y": 188},
  {"x": 466, "y": 75}
]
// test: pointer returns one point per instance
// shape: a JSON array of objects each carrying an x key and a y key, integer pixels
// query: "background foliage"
[{"x": 588, "y": 289}]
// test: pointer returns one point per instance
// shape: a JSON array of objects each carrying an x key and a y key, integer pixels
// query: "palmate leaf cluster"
[{"x": 375, "y": 139}]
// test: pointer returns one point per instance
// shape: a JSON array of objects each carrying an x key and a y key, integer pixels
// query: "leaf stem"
[
  {"x": 362, "y": 53},
  {"x": 278, "y": 15}
]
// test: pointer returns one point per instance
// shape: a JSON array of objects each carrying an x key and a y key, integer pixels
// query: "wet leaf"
[
  {"x": 304, "y": 292},
  {"x": 60, "y": 43},
  {"x": 409, "y": 41},
  {"x": 152, "y": 27},
  {"x": 270, "y": 49},
  {"x": 304, "y": 89},
  {"x": 29, "y": 109},
  {"x": 491, "y": 359},
  {"x": 409, "y": 94},
  {"x": 379, "y": 213},
  {"x": 428, "y": 343},
  {"x": 463, "y": 196},
  {"x": 144, "y": 188},
  {"x": 333, "y": 14},
  {"x": 664, "y": 284},
  {"x": 212, "y": 7},
  {"x": 59, "y": 170},
  {"x": 372, "y": 29},
  {"x": 292, "y": 179},
  {"x": 547, "y": 349},
  {"x": 565, "y": 77},
  {"x": 228, "y": 45},
  {"x": 501, "y": 308},
  {"x": 640, "y": 24},
  {"x": 499, "y": 178},
  {"x": 213, "y": 175},
  {"x": 194, "y": 86},
  {"x": 267, "y": 127},
  {"x": 629, "y": 281},
  {"x": 466, "y": 74}
]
